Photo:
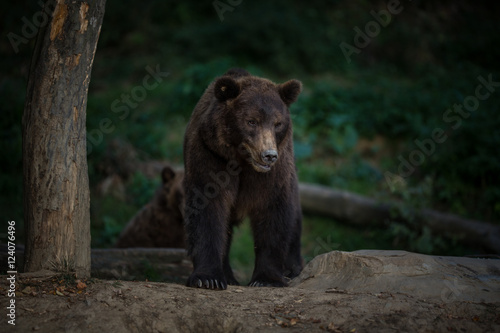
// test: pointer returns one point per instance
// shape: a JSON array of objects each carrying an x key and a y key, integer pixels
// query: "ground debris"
[{"x": 67, "y": 304}]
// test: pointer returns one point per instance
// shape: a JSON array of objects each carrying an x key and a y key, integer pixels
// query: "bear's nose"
[{"x": 269, "y": 156}]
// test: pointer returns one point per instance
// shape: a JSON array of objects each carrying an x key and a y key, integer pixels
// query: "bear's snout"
[{"x": 269, "y": 156}]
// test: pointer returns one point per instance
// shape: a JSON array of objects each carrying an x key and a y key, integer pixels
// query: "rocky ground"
[{"x": 363, "y": 291}]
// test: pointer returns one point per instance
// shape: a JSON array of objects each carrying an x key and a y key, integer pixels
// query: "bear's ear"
[
  {"x": 226, "y": 88},
  {"x": 167, "y": 174},
  {"x": 236, "y": 72},
  {"x": 289, "y": 91}
]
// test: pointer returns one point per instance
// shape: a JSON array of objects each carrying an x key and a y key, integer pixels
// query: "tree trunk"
[{"x": 56, "y": 187}]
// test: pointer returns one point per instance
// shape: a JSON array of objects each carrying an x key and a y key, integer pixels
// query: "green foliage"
[
  {"x": 321, "y": 235},
  {"x": 322, "y": 116},
  {"x": 110, "y": 231},
  {"x": 413, "y": 199},
  {"x": 401, "y": 97},
  {"x": 397, "y": 88},
  {"x": 242, "y": 254},
  {"x": 141, "y": 189},
  {"x": 352, "y": 174},
  {"x": 331, "y": 116},
  {"x": 108, "y": 218},
  {"x": 150, "y": 272}
]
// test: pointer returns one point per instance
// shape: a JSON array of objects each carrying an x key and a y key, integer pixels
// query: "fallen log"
[
  {"x": 158, "y": 264},
  {"x": 363, "y": 211}
]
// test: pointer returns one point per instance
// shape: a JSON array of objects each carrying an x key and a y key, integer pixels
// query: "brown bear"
[
  {"x": 160, "y": 222},
  {"x": 239, "y": 162}
]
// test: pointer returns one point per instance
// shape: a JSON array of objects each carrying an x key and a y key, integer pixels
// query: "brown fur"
[
  {"x": 160, "y": 222},
  {"x": 239, "y": 161}
]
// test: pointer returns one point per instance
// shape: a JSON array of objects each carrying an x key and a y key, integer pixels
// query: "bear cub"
[
  {"x": 239, "y": 162},
  {"x": 160, "y": 222}
]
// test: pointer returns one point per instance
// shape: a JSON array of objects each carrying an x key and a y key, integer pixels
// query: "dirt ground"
[{"x": 64, "y": 304}]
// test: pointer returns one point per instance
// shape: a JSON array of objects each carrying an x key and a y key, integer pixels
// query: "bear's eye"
[
  {"x": 252, "y": 123},
  {"x": 277, "y": 125}
]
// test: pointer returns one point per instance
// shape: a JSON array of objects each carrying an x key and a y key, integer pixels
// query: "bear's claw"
[
  {"x": 262, "y": 283},
  {"x": 207, "y": 284},
  {"x": 256, "y": 284}
]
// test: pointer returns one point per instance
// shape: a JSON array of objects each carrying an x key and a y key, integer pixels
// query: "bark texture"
[{"x": 56, "y": 187}]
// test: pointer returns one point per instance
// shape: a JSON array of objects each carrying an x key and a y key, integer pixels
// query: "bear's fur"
[
  {"x": 160, "y": 222},
  {"x": 239, "y": 161}
]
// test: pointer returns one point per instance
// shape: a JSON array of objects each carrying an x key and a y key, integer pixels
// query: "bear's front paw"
[
  {"x": 207, "y": 281},
  {"x": 267, "y": 283}
]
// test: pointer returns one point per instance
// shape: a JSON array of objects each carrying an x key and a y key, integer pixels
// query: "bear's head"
[
  {"x": 170, "y": 195},
  {"x": 257, "y": 117}
]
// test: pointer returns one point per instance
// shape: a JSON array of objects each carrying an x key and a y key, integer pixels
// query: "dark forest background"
[{"x": 363, "y": 124}]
